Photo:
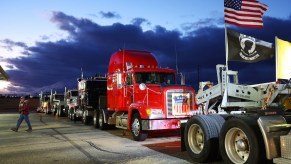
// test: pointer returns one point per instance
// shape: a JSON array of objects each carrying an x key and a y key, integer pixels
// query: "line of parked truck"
[
  {"x": 240, "y": 123},
  {"x": 58, "y": 103}
]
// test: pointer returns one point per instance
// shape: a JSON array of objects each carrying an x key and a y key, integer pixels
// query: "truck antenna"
[
  {"x": 123, "y": 66},
  {"x": 176, "y": 59},
  {"x": 182, "y": 77},
  {"x": 82, "y": 74},
  {"x": 123, "y": 60}
]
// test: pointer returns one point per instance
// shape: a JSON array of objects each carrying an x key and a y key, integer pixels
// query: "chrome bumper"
[{"x": 162, "y": 124}]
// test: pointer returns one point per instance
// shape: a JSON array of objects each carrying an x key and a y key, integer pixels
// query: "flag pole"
[
  {"x": 224, "y": 88},
  {"x": 276, "y": 57},
  {"x": 226, "y": 47}
]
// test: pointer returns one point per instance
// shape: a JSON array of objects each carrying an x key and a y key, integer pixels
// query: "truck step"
[
  {"x": 286, "y": 146},
  {"x": 121, "y": 127},
  {"x": 279, "y": 127},
  {"x": 281, "y": 160}
]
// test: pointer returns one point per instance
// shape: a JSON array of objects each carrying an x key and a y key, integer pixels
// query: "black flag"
[{"x": 246, "y": 48}]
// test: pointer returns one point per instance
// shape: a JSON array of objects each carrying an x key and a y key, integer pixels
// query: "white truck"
[
  {"x": 57, "y": 103},
  {"x": 44, "y": 102},
  {"x": 71, "y": 102},
  {"x": 240, "y": 123}
]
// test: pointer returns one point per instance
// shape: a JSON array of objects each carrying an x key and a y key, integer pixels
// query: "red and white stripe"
[{"x": 250, "y": 15}]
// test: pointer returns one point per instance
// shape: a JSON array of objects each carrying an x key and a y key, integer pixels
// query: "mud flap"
[{"x": 182, "y": 131}]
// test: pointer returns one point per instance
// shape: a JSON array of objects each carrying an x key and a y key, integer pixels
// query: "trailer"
[
  {"x": 91, "y": 95},
  {"x": 239, "y": 123}
]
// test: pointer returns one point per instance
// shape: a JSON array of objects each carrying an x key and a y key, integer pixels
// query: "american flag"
[{"x": 245, "y": 13}]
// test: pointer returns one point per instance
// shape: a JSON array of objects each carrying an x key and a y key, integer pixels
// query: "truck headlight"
[{"x": 155, "y": 113}]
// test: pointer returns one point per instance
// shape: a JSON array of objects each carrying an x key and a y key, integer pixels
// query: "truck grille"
[
  {"x": 179, "y": 103},
  {"x": 286, "y": 146}
]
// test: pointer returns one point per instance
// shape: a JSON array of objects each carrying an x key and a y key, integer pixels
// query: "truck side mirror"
[{"x": 142, "y": 86}]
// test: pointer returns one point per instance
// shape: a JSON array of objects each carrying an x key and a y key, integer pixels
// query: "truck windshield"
[
  {"x": 74, "y": 93},
  {"x": 96, "y": 85},
  {"x": 59, "y": 97},
  {"x": 154, "y": 78}
]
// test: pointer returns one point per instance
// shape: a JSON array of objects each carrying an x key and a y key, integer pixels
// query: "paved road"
[{"x": 59, "y": 140}]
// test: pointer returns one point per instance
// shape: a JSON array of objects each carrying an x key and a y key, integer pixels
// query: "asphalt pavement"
[{"x": 60, "y": 140}]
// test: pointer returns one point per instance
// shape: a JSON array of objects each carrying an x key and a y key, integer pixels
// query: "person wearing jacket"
[{"x": 24, "y": 112}]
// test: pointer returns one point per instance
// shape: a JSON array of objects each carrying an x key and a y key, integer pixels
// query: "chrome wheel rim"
[
  {"x": 196, "y": 138},
  {"x": 100, "y": 119},
  {"x": 136, "y": 127},
  {"x": 84, "y": 118},
  {"x": 94, "y": 119},
  {"x": 237, "y": 145}
]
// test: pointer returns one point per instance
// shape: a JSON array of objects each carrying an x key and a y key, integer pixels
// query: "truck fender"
[{"x": 135, "y": 107}]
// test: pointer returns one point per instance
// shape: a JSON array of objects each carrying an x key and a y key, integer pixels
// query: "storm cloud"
[{"x": 55, "y": 65}]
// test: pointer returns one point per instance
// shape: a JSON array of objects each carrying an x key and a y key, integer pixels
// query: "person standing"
[{"x": 24, "y": 112}]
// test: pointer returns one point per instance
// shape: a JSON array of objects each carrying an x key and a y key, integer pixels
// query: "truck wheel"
[
  {"x": 95, "y": 119},
  {"x": 66, "y": 114},
  {"x": 74, "y": 117},
  {"x": 201, "y": 138},
  {"x": 238, "y": 143},
  {"x": 102, "y": 124},
  {"x": 136, "y": 128},
  {"x": 85, "y": 119},
  {"x": 63, "y": 112},
  {"x": 59, "y": 112},
  {"x": 219, "y": 121},
  {"x": 71, "y": 114}
]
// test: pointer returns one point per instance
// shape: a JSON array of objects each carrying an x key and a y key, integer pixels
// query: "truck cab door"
[{"x": 128, "y": 94}]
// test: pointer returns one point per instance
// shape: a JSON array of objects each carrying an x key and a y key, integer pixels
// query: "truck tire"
[
  {"x": 85, "y": 119},
  {"x": 136, "y": 128},
  {"x": 66, "y": 112},
  {"x": 55, "y": 112},
  {"x": 59, "y": 112},
  {"x": 219, "y": 121},
  {"x": 74, "y": 117},
  {"x": 71, "y": 114},
  {"x": 201, "y": 138},
  {"x": 95, "y": 119},
  {"x": 102, "y": 124},
  {"x": 238, "y": 142},
  {"x": 62, "y": 113}
]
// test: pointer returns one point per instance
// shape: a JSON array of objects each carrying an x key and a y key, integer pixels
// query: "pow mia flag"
[{"x": 246, "y": 48}]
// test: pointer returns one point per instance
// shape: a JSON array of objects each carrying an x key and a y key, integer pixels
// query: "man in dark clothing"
[{"x": 24, "y": 112}]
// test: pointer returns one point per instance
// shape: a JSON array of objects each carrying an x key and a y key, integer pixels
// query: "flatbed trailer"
[{"x": 239, "y": 123}]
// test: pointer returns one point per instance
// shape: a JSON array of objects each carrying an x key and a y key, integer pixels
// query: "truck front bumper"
[{"x": 162, "y": 124}]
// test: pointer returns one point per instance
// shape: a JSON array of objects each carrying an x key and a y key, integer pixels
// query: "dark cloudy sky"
[{"x": 44, "y": 44}]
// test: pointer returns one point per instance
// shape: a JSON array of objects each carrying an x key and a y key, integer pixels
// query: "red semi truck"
[{"x": 142, "y": 96}]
